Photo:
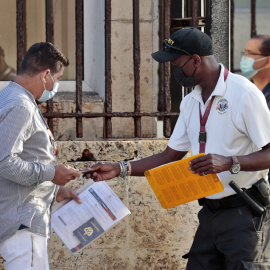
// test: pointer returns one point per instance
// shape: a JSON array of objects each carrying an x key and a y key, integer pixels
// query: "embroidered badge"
[{"x": 222, "y": 106}]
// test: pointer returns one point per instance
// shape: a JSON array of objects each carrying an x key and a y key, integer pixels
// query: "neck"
[
  {"x": 262, "y": 78},
  {"x": 210, "y": 72},
  {"x": 32, "y": 84}
]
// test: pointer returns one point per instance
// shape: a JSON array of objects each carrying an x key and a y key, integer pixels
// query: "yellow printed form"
[{"x": 175, "y": 184}]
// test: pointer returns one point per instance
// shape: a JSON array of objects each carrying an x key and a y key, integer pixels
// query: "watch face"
[{"x": 235, "y": 168}]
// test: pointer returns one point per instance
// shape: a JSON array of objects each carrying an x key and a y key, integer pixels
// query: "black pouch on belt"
[{"x": 262, "y": 191}]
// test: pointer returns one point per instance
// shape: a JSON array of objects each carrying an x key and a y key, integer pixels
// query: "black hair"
[
  {"x": 265, "y": 47},
  {"x": 42, "y": 56}
]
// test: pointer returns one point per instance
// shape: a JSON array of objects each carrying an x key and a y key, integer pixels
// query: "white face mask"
[{"x": 49, "y": 94}]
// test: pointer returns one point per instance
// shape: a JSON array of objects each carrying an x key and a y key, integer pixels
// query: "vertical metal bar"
[
  {"x": 195, "y": 4},
  {"x": 167, "y": 96},
  {"x": 208, "y": 17},
  {"x": 136, "y": 56},
  {"x": 49, "y": 21},
  {"x": 253, "y": 18},
  {"x": 79, "y": 65},
  {"x": 232, "y": 38},
  {"x": 20, "y": 30},
  {"x": 49, "y": 38},
  {"x": 108, "y": 79},
  {"x": 161, "y": 65}
]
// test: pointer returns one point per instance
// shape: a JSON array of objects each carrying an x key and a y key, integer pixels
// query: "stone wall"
[{"x": 150, "y": 238}]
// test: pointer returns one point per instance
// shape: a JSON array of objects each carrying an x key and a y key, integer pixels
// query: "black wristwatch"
[{"x": 235, "y": 168}]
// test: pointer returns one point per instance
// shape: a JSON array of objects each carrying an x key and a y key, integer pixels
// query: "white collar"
[{"x": 219, "y": 90}]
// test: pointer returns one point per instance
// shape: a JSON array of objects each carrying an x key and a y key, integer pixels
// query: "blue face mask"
[
  {"x": 49, "y": 94},
  {"x": 246, "y": 66}
]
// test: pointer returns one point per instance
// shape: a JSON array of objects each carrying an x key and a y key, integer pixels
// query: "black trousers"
[{"x": 231, "y": 239}]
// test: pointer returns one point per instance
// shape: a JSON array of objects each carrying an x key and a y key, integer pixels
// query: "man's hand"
[
  {"x": 67, "y": 193},
  {"x": 103, "y": 171},
  {"x": 63, "y": 174},
  {"x": 210, "y": 163}
]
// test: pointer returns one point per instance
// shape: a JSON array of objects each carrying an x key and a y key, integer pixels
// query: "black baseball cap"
[{"x": 187, "y": 41}]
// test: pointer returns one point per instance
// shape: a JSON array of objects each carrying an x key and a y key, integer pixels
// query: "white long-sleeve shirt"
[{"x": 26, "y": 164}]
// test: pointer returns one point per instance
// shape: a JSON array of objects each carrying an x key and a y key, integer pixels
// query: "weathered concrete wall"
[
  {"x": 221, "y": 30},
  {"x": 151, "y": 238}
]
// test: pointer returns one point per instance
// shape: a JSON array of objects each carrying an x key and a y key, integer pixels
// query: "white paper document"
[{"x": 80, "y": 224}]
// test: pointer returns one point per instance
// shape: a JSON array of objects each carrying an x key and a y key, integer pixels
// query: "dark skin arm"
[
  {"x": 210, "y": 163},
  {"x": 213, "y": 163},
  {"x": 106, "y": 171}
]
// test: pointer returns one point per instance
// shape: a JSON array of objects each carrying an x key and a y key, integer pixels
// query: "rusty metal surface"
[
  {"x": 161, "y": 36},
  {"x": 137, "y": 59},
  {"x": 20, "y": 7},
  {"x": 208, "y": 17},
  {"x": 195, "y": 13},
  {"x": 79, "y": 64},
  {"x": 253, "y": 31},
  {"x": 49, "y": 38},
  {"x": 49, "y": 21},
  {"x": 112, "y": 114},
  {"x": 167, "y": 95},
  {"x": 108, "y": 76}
]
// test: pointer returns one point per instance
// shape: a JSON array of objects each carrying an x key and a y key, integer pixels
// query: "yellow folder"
[{"x": 174, "y": 184}]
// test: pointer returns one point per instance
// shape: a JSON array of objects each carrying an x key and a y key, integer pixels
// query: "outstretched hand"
[
  {"x": 64, "y": 174},
  {"x": 103, "y": 171},
  {"x": 210, "y": 163}
]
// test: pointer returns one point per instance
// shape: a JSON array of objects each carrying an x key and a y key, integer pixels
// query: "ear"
[
  {"x": 44, "y": 75},
  {"x": 197, "y": 59},
  {"x": 268, "y": 62}
]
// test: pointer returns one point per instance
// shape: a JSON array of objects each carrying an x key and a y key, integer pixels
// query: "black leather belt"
[{"x": 227, "y": 202}]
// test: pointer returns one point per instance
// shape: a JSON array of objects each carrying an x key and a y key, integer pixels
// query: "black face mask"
[{"x": 185, "y": 81}]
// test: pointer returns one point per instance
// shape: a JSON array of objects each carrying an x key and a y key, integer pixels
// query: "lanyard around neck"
[{"x": 203, "y": 119}]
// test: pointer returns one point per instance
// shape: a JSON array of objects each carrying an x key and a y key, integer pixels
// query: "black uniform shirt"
[{"x": 266, "y": 92}]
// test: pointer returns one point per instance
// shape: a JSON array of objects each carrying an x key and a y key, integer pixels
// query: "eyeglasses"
[
  {"x": 53, "y": 142},
  {"x": 167, "y": 47},
  {"x": 245, "y": 53}
]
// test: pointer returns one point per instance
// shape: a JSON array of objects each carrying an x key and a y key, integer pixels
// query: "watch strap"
[{"x": 235, "y": 160}]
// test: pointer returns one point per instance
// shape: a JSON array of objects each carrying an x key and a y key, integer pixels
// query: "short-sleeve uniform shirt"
[{"x": 238, "y": 124}]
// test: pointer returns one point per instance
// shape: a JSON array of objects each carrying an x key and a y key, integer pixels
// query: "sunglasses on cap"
[{"x": 169, "y": 48}]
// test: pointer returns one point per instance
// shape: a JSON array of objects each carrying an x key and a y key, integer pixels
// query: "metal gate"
[{"x": 173, "y": 15}]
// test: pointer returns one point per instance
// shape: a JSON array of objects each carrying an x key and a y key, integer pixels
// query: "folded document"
[
  {"x": 80, "y": 224},
  {"x": 174, "y": 184}
]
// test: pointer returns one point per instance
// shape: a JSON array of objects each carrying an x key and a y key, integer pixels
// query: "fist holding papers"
[{"x": 175, "y": 184}]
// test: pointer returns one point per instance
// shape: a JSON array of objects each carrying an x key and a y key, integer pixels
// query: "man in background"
[
  {"x": 255, "y": 63},
  {"x": 29, "y": 174}
]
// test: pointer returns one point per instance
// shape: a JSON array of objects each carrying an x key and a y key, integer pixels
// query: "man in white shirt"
[{"x": 236, "y": 140}]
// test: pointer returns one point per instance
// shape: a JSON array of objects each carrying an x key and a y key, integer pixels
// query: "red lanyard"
[{"x": 203, "y": 120}]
